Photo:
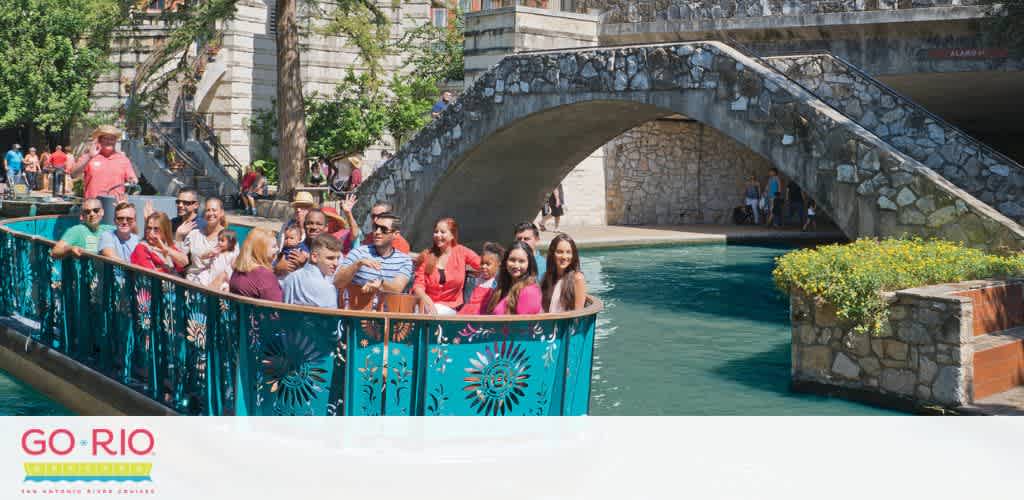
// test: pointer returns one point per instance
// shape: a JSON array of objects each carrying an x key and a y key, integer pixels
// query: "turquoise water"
[
  {"x": 695, "y": 330},
  {"x": 18, "y": 399},
  {"x": 687, "y": 330}
]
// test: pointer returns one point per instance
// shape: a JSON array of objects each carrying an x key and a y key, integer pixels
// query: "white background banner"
[{"x": 526, "y": 458}]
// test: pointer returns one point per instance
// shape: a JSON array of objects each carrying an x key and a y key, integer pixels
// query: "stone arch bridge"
[{"x": 492, "y": 156}]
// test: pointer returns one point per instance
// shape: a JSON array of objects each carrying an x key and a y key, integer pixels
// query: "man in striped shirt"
[{"x": 377, "y": 267}]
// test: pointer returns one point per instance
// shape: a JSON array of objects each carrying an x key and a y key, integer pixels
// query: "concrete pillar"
[{"x": 493, "y": 34}]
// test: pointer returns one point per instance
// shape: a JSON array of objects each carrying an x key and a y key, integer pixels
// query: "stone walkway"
[{"x": 627, "y": 236}]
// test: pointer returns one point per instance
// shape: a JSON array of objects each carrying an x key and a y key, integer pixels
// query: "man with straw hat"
[
  {"x": 106, "y": 170},
  {"x": 302, "y": 202}
]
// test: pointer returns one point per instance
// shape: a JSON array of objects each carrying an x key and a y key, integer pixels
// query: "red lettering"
[
  {"x": 101, "y": 438},
  {"x": 70, "y": 442},
  {"x": 148, "y": 439},
  {"x": 38, "y": 445}
]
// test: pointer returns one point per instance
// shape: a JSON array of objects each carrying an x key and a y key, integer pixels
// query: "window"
[{"x": 439, "y": 17}]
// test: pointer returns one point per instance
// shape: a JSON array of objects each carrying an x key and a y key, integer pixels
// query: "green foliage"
[
  {"x": 434, "y": 53},
  {"x": 262, "y": 126},
  {"x": 409, "y": 111},
  {"x": 351, "y": 120},
  {"x": 852, "y": 276},
  {"x": 51, "y": 54},
  {"x": 267, "y": 168}
]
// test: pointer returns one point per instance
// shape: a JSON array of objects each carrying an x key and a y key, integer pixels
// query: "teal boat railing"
[{"x": 202, "y": 352}]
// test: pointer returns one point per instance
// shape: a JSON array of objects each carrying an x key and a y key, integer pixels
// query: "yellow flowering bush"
[{"x": 853, "y": 276}]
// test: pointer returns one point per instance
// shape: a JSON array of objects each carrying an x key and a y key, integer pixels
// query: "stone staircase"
[{"x": 986, "y": 174}]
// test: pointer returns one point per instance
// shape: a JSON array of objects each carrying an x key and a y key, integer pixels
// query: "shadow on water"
[
  {"x": 763, "y": 371},
  {"x": 728, "y": 290}
]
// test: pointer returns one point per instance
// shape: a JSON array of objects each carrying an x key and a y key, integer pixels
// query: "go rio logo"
[{"x": 87, "y": 454}]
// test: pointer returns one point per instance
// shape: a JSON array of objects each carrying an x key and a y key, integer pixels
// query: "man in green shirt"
[{"x": 84, "y": 237}]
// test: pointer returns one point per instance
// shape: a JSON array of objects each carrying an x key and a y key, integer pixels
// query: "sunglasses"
[
  {"x": 152, "y": 229},
  {"x": 88, "y": 211},
  {"x": 124, "y": 219},
  {"x": 382, "y": 229},
  {"x": 185, "y": 202}
]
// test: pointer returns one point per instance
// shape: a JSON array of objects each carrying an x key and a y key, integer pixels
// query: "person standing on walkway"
[
  {"x": 30, "y": 164},
  {"x": 106, "y": 170},
  {"x": 752, "y": 198},
  {"x": 58, "y": 169},
  {"x": 771, "y": 188},
  {"x": 44, "y": 169},
  {"x": 554, "y": 207},
  {"x": 795, "y": 203},
  {"x": 12, "y": 163}
]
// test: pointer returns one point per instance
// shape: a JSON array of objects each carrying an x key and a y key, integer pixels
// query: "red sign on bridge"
[{"x": 968, "y": 53}]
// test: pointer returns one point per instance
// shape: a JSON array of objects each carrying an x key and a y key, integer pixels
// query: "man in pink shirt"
[{"x": 106, "y": 170}]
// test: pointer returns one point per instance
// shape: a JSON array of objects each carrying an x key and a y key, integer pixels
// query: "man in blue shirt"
[
  {"x": 311, "y": 285},
  {"x": 527, "y": 233},
  {"x": 378, "y": 266},
  {"x": 446, "y": 99},
  {"x": 13, "y": 160},
  {"x": 121, "y": 242}
]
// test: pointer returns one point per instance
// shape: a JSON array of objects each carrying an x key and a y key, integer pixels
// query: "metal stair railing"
[
  {"x": 221, "y": 155},
  {"x": 169, "y": 142},
  {"x": 899, "y": 97}
]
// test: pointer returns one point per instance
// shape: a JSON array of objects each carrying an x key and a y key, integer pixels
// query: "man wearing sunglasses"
[
  {"x": 188, "y": 214},
  {"x": 378, "y": 266},
  {"x": 121, "y": 242},
  {"x": 399, "y": 243},
  {"x": 84, "y": 237}
]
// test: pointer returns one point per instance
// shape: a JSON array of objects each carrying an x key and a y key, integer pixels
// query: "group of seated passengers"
[{"x": 315, "y": 258}]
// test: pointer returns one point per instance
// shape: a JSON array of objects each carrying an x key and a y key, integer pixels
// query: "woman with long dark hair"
[
  {"x": 517, "y": 291},
  {"x": 441, "y": 274},
  {"x": 563, "y": 286}
]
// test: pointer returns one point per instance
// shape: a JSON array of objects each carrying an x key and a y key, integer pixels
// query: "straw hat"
[
  {"x": 355, "y": 161},
  {"x": 106, "y": 130},
  {"x": 303, "y": 199}
]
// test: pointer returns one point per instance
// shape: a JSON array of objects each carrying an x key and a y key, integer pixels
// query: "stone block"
[
  {"x": 898, "y": 381},
  {"x": 878, "y": 347},
  {"x": 926, "y": 370},
  {"x": 825, "y": 314},
  {"x": 913, "y": 333},
  {"x": 895, "y": 350},
  {"x": 858, "y": 344},
  {"x": 815, "y": 360},
  {"x": 950, "y": 387},
  {"x": 845, "y": 367},
  {"x": 871, "y": 366}
]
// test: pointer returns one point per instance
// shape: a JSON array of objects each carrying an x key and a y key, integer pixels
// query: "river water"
[{"x": 687, "y": 330}]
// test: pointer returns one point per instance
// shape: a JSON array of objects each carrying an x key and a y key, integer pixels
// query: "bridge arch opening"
[{"x": 507, "y": 175}]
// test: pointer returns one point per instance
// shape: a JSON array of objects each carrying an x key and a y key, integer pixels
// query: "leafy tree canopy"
[{"x": 51, "y": 54}]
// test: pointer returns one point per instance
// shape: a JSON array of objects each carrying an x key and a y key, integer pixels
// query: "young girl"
[
  {"x": 517, "y": 291},
  {"x": 223, "y": 259},
  {"x": 563, "y": 288},
  {"x": 810, "y": 216},
  {"x": 490, "y": 261}
]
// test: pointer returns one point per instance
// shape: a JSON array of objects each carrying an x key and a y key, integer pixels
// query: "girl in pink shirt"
[{"x": 517, "y": 291}]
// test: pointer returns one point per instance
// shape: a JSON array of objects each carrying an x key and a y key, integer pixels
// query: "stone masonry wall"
[
  {"x": 923, "y": 355},
  {"x": 677, "y": 172},
  {"x": 637, "y": 11},
  {"x": 843, "y": 165},
  {"x": 970, "y": 165}
]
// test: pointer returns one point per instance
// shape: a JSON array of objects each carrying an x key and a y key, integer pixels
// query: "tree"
[
  {"x": 52, "y": 52},
  {"x": 351, "y": 120},
  {"x": 291, "y": 120}
]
